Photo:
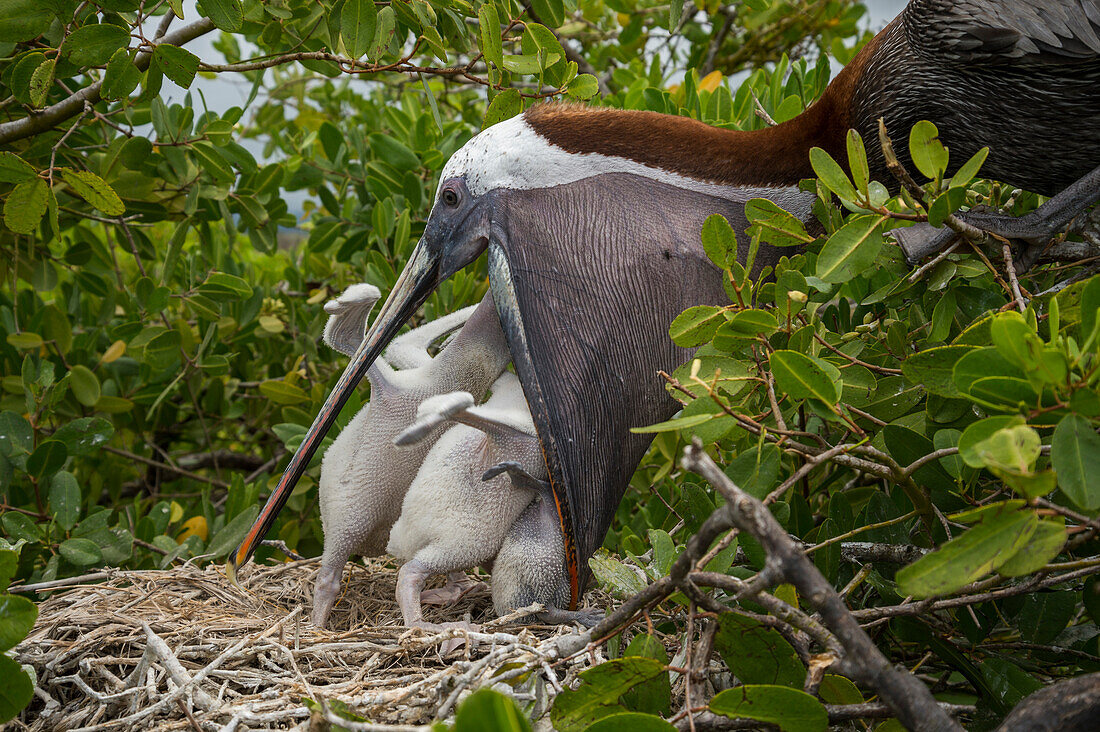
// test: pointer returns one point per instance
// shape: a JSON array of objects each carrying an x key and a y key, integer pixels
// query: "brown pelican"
[
  {"x": 591, "y": 218},
  {"x": 363, "y": 477},
  {"x": 461, "y": 512}
]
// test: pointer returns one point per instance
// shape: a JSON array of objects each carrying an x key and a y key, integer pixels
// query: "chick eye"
[{"x": 450, "y": 197}]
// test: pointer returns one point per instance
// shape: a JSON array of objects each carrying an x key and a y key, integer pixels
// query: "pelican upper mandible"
[{"x": 591, "y": 218}]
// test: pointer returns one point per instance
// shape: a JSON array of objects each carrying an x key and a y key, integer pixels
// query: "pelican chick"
[
  {"x": 363, "y": 477},
  {"x": 450, "y": 519},
  {"x": 461, "y": 511},
  {"x": 530, "y": 566}
]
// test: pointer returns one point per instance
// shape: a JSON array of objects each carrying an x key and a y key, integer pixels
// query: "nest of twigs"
[{"x": 184, "y": 649}]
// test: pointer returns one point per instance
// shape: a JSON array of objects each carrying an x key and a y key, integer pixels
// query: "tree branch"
[
  {"x": 908, "y": 697},
  {"x": 50, "y": 117}
]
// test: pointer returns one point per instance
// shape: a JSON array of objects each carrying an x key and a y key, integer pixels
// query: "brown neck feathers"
[{"x": 775, "y": 156}]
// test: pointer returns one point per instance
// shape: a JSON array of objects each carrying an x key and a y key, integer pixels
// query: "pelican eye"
[{"x": 450, "y": 196}]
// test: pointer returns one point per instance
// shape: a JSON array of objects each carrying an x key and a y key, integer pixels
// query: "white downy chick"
[
  {"x": 364, "y": 478},
  {"x": 461, "y": 510}
]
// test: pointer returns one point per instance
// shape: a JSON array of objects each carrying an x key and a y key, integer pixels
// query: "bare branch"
[{"x": 909, "y": 698}]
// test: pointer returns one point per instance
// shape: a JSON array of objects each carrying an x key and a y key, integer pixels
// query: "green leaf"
[
  {"x": 13, "y": 169},
  {"x": 486, "y": 709},
  {"x": 281, "y": 392},
  {"x": 615, "y": 576},
  {"x": 982, "y": 363},
  {"x": 757, "y": 654},
  {"x": 934, "y": 368},
  {"x": 9, "y": 565},
  {"x": 529, "y": 64},
  {"x": 1008, "y": 682},
  {"x": 17, "y": 690},
  {"x": 1014, "y": 448},
  {"x": 857, "y": 161},
  {"x": 65, "y": 499},
  {"x": 584, "y": 86},
  {"x": 85, "y": 435},
  {"x": 41, "y": 81},
  {"x": 754, "y": 322},
  {"x": 504, "y": 106},
  {"x": 394, "y": 152},
  {"x": 16, "y": 435},
  {"x": 549, "y": 12},
  {"x": 358, "y": 22},
  {"x": 839, "y": 690},
  {"x": 213, "y": 162},
  {"x": 832, "y": 175},
  {"x": 47, "y": 459},
  {"x": 851, "y": 250},
  {"x": 17, "y": 616},
  {"x": 695, "y": 326},
  {"x": 223, "y": 286},
  {"x": 599, "y": 692},
  {"x": 178, "y": 64},
  {"x": 1075, "y": 454},
  {"x": 489, "y": 25},
  {"x": 926, "y": 150},
  {"x": 969, "y": 169},
  {"x": 25, "y": 206},
  {"x": 387, "y": 27},
  {"x": 84, "y": 384},
  {"x": 226, "y": 14},
  {"x": 22, "y": 20},
  {"x": 1015, "y": 339},
  {"x": 969, "y": 557},
  {"x": 232, "y": 533},
  {"x": 1043, "y": 546},
  {"x": 630, "y": 722},
  {"x": 679, "y": 423},
  {"x": 792, "y": 710},
  {"x": 1045, "y": 615},
  {"x": 653, "y": 696},
  {"x": 805, "y": 377},
  {"x": 94, "y": 190},
  {"x": 774, "y": 225},
  {"x": 81, "y": 552},
  {"x": 946, "y": 204},
  {"x": 719, "y": 241},
  {"x": 93, "y": 45},
  {"x": 121, "y": 78}
]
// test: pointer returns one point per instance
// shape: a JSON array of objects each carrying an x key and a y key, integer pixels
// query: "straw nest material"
[{"x": 183, "y": 649}]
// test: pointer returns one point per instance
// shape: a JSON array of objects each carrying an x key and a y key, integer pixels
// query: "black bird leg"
[{"x": 1031, "y": 231}]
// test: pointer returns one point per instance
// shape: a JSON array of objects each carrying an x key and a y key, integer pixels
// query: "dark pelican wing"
[
  {"x": 587, "y": 278},
  {"x": 1014, "y": 31}
]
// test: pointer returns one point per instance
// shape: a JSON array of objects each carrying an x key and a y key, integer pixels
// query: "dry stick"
[
  {"x": 165, "y": 466},
  {"x": 909, "y": 698},
  {"x": 175, "y": 669},
  {"x": 131, "y": 719},
  {"x": 1010, "y": 267},
  {"x": 917, "y": 273},
  {"x": 1036, "y": 582},
  {"x": 67, "y": 582}
]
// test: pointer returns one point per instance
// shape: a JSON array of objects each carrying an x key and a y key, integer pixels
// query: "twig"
[
  {"x": 1010, "y": 267},
  {"x": 165, "y": 466},
  {"x": 57, "y": 113},
  {"x": 67, "y": 582}
]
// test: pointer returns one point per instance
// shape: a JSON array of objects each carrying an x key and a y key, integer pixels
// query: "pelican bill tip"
[{"x": 231, "y": 573}]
